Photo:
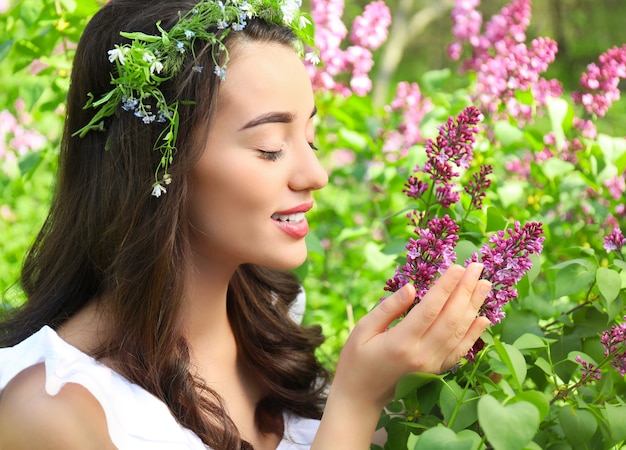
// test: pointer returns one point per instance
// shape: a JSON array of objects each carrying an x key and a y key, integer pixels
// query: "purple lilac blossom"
[
  {"x": 506, "y": 258},
  {"x": 614, "y": 241},
  {"x": 613, "y": 341},
  {"x": 451, "y": 150},
  {"x": 600, "y": 82},
  {"x": 589, "y": 371},
  {"x": 477, "y": 186},
  {"x": 428, "y": 256}
]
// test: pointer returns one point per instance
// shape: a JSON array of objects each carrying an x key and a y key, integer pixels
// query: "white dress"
[{"x": 136, "y": 419}]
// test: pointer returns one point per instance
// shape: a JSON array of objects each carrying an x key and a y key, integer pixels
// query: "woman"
[{"x": 163, "y": 321}]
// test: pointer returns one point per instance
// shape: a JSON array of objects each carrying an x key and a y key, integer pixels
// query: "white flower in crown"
[
  {"x": 156, "y": 67},
  {"x": 158, "y": 189},
  {"x": 118, "y": 53},
  {"x": 313, "y": 58},
  {"x": 290, "y": 9}
]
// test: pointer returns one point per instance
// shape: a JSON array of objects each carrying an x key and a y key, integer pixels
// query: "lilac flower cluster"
[
  {"x": 601, "y": 81},
  {"x": 477, "y": 186},
  {"x": 409, "y": 102},
  {"x": 589, "y": 370},
  {"x": 451, "y": 150},
  {"x": 428, "y": 256},
  {"x": 614, "y": 241},
  {"x": 506, "y": 258},
  {"x": 614, "y": 342},
  {"x": 503, "y": 63},
  {"x": 369, "y": 31}
]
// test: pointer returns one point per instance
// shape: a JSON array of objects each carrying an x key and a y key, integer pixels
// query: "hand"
[{"x": 432, "y": 337}]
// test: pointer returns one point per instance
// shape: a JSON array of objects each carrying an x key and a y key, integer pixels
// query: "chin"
[{"x": 293, "y": 262}]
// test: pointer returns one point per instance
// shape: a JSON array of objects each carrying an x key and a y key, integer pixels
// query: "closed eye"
[
  {"x": 312, "y": 145},
  {"x": 272, "y": 155}
]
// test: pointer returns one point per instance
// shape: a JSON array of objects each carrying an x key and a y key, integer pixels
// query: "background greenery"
[{"x": 527, "y": 380}]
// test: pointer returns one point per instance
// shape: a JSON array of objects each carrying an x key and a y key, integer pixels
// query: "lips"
[{"x": 292, "y": 221}]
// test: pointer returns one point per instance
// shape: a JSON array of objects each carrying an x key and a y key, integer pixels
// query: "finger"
[
  {"x": 379, "y": 319},
  {"x": 428, "y": 310},
  {"x": 479, "y": 325},
  {"x": 465, "y": 288},
  {"x": 460, "y": 310}
]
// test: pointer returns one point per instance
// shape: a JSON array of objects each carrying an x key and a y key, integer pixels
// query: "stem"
[
  {"x": 457, "y": 408},
  {"x": 562, "y": 393},
  {"x": 587, "y": 301}
]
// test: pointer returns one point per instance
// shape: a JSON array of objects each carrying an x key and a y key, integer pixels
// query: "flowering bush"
[
  {"x": 494, "y": 163},
  {"x": 509, "y": 170}
]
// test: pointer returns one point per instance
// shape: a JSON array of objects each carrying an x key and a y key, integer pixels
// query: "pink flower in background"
[
  {"x": 15, "y": 139},
  {"x": 600, "y": 83},
  {"x": 409, "y": 102},
  {"x": 502, "y": 61},
  {"x": 369, "y": 31},
  {"x": 616, "y": 186}
]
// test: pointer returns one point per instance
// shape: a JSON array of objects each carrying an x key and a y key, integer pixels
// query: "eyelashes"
[
  {"x": 272, "y": 156},
  {"x": 275, "y": 155}
]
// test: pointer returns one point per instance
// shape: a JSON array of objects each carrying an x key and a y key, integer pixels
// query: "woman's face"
[{"x": 255, "y": 180}]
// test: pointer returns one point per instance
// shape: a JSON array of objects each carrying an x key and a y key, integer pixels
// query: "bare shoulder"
[{"x": 30, "y": 418}]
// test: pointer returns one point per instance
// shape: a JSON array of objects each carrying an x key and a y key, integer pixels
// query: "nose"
[{"x": 308, "y": 173}]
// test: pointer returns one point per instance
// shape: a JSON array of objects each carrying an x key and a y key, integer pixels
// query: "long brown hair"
[{"x": 105, "y": 235}]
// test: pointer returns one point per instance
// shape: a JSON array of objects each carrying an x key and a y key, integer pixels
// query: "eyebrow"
[{"x": 274, "y": 117}]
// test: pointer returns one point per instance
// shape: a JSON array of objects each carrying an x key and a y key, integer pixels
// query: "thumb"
[{"x": 379, "y": 319}]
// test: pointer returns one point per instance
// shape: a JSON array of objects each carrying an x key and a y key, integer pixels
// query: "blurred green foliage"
[{"x": 526, "y": 381}]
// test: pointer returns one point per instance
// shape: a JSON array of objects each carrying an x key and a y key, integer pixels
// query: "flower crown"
[{"x": 148, "y": 60}]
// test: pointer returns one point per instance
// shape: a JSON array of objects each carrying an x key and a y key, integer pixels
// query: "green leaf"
[
  {"x": 313, "y": 244},
  {"x": 577, "y": 424},
  {"x": 554, "y": 168},
  {"x": 536, "y": 398},
  {"x": 412, "y": 381},
  {"x": 5, "y": 48},
  {"x": 609, "y": 284},
  {"x": 464, "y": 250},
  {"x": 508, "y": 427},
  {"x": 512, "y": 192},
  {"x": 615, "y": 416},
  {"x": 449, "y": 401},
  {"x": 376, "y": 259},
  {"x": 514, "y": 360},
  {"x": 507, "y": 133},
  {"x": 557, "y": 111},
  {"x": 434, "y": 79},
  {"x": 572, "y": 279},
  {"x": 30, "y": 11},
  {"x": 529, "y": 340},
  {"x": 69, "y": 5},
  {"x": 441, "y": 438}
]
